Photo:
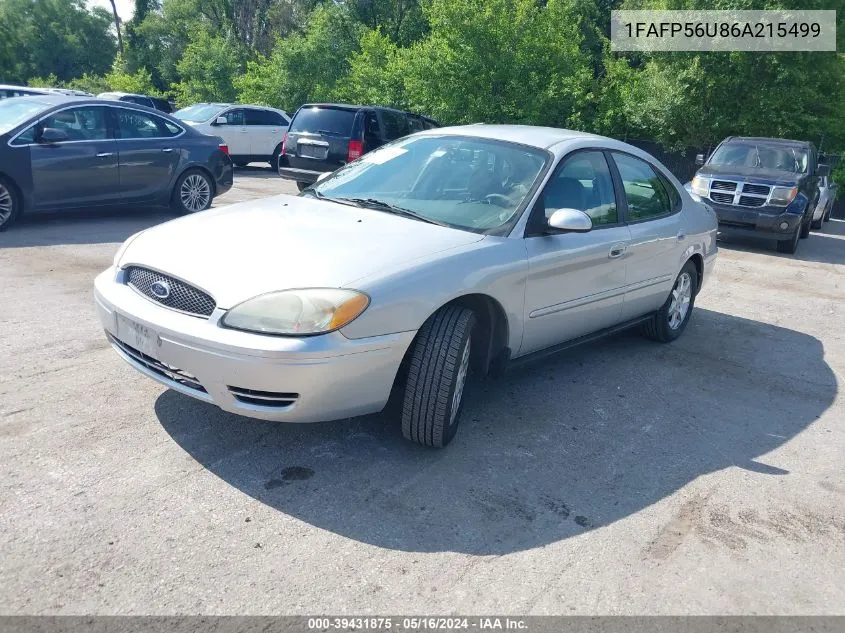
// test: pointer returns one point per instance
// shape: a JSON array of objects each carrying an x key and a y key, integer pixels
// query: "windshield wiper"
[
  {"x": 381, "y": 205},
  {"x": 757, "y": 157}
]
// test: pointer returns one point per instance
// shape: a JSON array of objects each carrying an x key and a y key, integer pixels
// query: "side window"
[
  {"x": 133, "y": 124},
  {"x": 395, "y": 125},
  {"x": 372, "y": 131},
  {"x": 27, "y": 137},
  {"x": 415, "y": 123},
  {"x": 645, "y": 194},
  {"x": 81, "y": 124},
  {"x": 674, "y": 196},
  {"x": 255, "y": 117},
  {"x": 234, "y": 117},
  {"x": 583, "y": 182}
]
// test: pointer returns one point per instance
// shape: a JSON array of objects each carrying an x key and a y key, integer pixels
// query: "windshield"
[
  {"x": 16, "y": 110},
  {"x": 769, "y": 156},
  {"x": 324, "y": 120},
  {"x": 199, "y": 112},
  {"x": 467, "y": 183}
]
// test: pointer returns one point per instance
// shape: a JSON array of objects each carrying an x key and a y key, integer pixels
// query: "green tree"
[
  {"x": 207, "y": 69},
  {"x": 376, "y": 73}
]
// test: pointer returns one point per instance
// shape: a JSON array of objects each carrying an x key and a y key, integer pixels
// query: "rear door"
[
  {"x": 657, "y": 235},
  {"x": 266, "y": 130},
  {"x": 318, "y": 137},
  {"x": 83, "y": 169},
  {"x": 148, "y": 153},
  {"x": 396, "y": 125}
]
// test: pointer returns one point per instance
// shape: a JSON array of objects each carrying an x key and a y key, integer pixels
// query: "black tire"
[
  {"x": 659, "y": 327},
  {"x": 817, "y": 224},
  {"x": 805, "y": 229},
  {"x": 439, "y": 361},
  {"x": 10, "y": 203},
  {"x": 192, "y": 175},
  {"x": 791, "y": 245},
  {"x": 274, "y": 159},
  {"x": 302, "y": 185},
  {"x": 826, "y": 216}
]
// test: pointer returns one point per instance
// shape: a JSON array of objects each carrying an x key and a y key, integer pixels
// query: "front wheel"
[
  {"x": 671, "y": 320},
  {"x": 193, "y": 192},
  {"x": 791, "y": 245},
  {"x": 436, "y": 376},
  {"x": 10, "y": 203},
  {"x": 805, "y": 229}
]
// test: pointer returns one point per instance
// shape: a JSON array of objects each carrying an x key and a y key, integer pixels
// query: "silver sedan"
[{"x": 448, "y": 253}]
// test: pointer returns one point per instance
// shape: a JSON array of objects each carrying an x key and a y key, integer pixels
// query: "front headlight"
[
  {"x": 782, "y": 196},
  {"x": 297, "y": 312},
  {"x": 700, "y": 186}
]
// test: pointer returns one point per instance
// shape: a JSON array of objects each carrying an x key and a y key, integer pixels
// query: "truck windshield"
[{"x": 792, "y": 158}]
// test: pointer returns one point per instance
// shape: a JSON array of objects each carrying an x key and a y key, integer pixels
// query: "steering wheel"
[{"x": 499, "y": 200}]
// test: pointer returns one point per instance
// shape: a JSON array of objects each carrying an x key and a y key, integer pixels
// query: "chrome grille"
[
  {"x": 722, "y": 185},
  {"x": 751, "y": 201},
  {"x": 277, "y": 399},
  {"x": 182, "y": 297},
  {"x": 724, "y": 198},
  {"x": 157, "y": 367},
  {"x": 759, "y": 190}
]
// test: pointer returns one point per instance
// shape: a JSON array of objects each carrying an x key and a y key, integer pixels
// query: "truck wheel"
[
  {"x": 671, "y": 320},
  {"x": 805, "y": 229},
  {"x": 790, "y": 245},
  {"x": 436, "y": 376}
]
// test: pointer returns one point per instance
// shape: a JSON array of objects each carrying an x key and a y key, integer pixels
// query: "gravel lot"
[{"x": 705, "y": 476}]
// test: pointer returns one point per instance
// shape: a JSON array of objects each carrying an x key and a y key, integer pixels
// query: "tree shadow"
[
  {"x": 552, "y": 450},
  {"x": 826, "y": 245}
]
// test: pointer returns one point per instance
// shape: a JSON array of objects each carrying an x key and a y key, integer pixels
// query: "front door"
[
  {"x": 266, "y": 131},
  {"x": 81, "y": 170},
  {"x": 148, "y": 154},
  {"x": 234, "y": 132},
  {"x": 575, "y": 283}
]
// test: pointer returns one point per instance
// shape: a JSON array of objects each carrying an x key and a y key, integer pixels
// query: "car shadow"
[
  {"x": 101, "y": 225},
  {"x": 552, "y": 450},
  {"x": 826, "y": 245}
]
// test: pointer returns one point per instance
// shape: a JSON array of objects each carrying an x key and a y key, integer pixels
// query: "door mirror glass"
[
  {"x": 699, "y": 159},
  {"x": 221, "y": 120},
  {"x": 823, "y": 171},
  {"x": 53, "y": 135},
  {"x": 570, "y": 221}
]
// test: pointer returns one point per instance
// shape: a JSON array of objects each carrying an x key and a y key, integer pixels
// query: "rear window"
[{"x": 324, "y": 120}]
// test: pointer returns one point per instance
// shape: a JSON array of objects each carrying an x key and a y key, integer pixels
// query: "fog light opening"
[{"x": 784, "y": 226}]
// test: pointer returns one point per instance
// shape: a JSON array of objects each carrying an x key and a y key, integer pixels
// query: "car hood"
[
  {"x": 244, "y": 250},
  {"x": 751, "y": 174}
]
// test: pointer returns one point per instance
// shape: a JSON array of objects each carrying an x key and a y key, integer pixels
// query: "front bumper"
[
  {"x": 764, "y": 222},
  {"x": 304, "y": 379}
]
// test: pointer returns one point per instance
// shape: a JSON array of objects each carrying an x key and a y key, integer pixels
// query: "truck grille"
[
  {"x": 724, "y": 198},
  {"x": 751, "y": 201},
  {"x": 180, "y": 296},
  {"x": 760, "y": 190},
  {"x": 723, "y": 192},
  {"x": 722, "y": 185}
]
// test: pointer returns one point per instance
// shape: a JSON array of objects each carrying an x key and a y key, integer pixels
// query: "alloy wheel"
[
  {"x": 461, "y": 380},
  {"x": 6, "y": 204},
  {"x": 681, "y": 297},
  {"x": 195, "y": 193}
]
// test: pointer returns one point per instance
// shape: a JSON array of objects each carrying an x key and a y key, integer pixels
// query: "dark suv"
[
  {"x": 325, "y": 136},
  {"x": 765, "y": 187}
]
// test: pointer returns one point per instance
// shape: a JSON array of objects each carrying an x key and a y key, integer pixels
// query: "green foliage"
[
  {"x": 376, "y": 73},
  {"x": 207, "y": 69},
  {"x": 59, "y": 37},
  {"x": 304, "y": 66},
  {"x": 119, "y": 80}
]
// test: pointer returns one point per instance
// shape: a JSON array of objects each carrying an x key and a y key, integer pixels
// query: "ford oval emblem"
[{"x": 161, "y": 289}]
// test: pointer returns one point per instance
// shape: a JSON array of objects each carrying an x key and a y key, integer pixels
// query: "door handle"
[
  {"x": 617, "y": 250},
  {"x": 105, "y": 154},
  {"x": 167, "y": 149}
]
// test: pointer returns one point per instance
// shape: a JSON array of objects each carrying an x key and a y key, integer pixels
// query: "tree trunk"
[{"x": 117, "y": 28}]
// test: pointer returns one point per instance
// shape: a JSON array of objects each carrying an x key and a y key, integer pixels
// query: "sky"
[{"x": 125, "y": 8}]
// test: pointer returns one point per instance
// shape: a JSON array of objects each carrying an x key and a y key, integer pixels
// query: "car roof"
[
  {"x": 536, "y": 136},
  {"x": 763, "y": 139}
]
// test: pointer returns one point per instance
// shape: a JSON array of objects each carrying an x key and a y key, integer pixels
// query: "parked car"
[
  {"x": 8, "y": 91},
  {"x": 254, "y": 133},
  {"x": 71, "y": 92},
  {"x": 157, "y": 103},
  {"x": 450, "y": 250},
  {"x": 827, "y": 196},
  {"x": 59, "y": 152},
  {"x": 765, "y": 187},
  {"x": 325, "y": 136}
]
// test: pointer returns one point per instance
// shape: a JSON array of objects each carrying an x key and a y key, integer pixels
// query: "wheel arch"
[{"x": 698, "y": 260}]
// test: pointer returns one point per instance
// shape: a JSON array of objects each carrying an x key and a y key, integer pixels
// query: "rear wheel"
[
  {"x": 436, "y": 376},
  {"x": 826, "y": 216},
  {"x": 10, "y": 203},
  {"x": 193, "y": 192},
  {"x": 274, "y": 159},
  {"x": 791, "y": 245},
  {"x": 671, "y": 320}
]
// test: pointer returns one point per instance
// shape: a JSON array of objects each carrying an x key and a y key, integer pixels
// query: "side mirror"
[
  {"x": 323, "y": 176},
  {"x": 569, "y": 221},
  {"x": 822, "y": 171},
  {"x": 699, "y": 159},
  {"x": 221, "y": 120},
  {"x": 52, "y": 135}
]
